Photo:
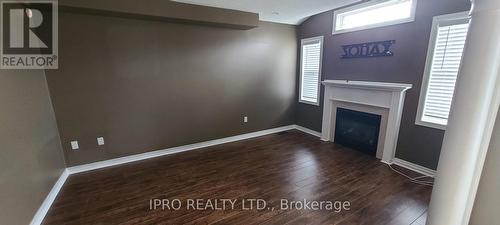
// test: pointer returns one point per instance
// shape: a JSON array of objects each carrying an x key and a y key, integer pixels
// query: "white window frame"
[
  {"x": 366, "y": 5},
  {"x": 302, "y": 43},
  {"x": 436, "y": 22}
]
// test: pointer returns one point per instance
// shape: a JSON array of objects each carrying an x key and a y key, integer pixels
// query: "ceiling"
[{"x": 279, "y": 11}]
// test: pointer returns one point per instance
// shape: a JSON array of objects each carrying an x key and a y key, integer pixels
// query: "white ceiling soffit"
[{"x": 279, "y": 11}]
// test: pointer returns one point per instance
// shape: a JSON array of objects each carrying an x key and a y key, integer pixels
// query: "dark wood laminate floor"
[{"x": 290, "y": 165}]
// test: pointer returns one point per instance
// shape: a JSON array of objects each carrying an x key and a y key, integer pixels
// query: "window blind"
[
  {"x": 310, "y": 74},
  {"x": 448, "y": 49}
]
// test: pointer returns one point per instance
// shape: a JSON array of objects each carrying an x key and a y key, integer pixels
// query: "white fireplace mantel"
[{"x": 388, "y": 96}]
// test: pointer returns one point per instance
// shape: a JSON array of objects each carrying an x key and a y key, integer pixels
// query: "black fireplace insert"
[{"x": 357, "y": 130}]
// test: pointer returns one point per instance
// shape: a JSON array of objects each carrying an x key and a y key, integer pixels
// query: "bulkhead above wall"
[{"x": 167, "y": 11}]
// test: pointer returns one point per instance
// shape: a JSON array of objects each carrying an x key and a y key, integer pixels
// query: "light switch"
[
  {"x": 100, "y": 141},
  {"x": 74, "y": 145},
  {"x": 245, "y": 119}
]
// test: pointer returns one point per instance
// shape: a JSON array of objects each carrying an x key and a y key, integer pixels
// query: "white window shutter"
[
  {"x": 448, "y": 49},
  {"x": 310, "y": 70}
]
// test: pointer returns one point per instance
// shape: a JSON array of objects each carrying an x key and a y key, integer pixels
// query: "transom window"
[
  {"x": 373, "y": 14},
  {"x": 444, "y": 56}
]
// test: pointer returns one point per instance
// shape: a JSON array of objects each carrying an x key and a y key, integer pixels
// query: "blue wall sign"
[{"x": 368, "y": 50}]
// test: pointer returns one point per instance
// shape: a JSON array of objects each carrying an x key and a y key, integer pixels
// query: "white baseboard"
[
  {"x": 44, "y": 208},
  {"x": 184, "y": 148},
  {"x": 307, "y": 130},
  {"x": 148, "y": 155},
  {"x": 414, "y": 167},
  {"x": 47, "y": 203}
]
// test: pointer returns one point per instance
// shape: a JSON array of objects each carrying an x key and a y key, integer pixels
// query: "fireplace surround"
[{"x": 383, "y": 99}]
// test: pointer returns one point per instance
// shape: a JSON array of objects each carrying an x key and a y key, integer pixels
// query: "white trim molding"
[
  {"x": 308, "y": 131},
  {"x": 460, "y": 17},
  {"x": 303, "y": 42},
  {"x": 47, "y": 203},
  {"x": 396, "y": 161},
  {"x": 169, "y": 151},
  {"x": 414, "y": 167}
]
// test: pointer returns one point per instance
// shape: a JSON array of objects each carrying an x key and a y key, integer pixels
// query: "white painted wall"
[{"x": 485, "y": 211}]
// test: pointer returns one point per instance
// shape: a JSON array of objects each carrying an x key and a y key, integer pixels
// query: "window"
[
  {"x": 310, "y": 69},
  {"x": 373, "y": 14},
  {"x": 444, "y": 56}
]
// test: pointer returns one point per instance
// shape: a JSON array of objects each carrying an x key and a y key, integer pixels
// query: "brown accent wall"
[
  {"x": 148, "y": 85},
  {"x": 416, "y": 144},
  {"x": 31, "y": 159}
]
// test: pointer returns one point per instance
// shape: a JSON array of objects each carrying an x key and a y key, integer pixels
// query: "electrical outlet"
[
  {"x": 245, "y": 119},
  {"x": 100, "y": 141},
  {"x": 74, "y": 145}
]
